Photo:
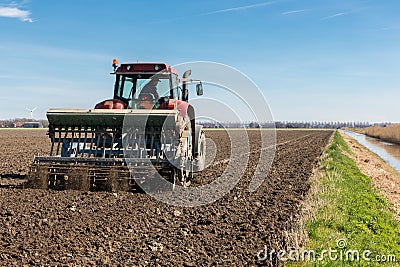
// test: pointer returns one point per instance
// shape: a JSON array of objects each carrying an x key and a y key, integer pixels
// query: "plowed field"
[{"x": 76, "y": 228}]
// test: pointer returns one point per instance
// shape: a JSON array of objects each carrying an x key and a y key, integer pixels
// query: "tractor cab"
[{"x": 146, "y": 85}]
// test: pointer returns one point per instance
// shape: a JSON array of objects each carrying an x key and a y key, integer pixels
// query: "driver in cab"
[{"x": 150, "y": 88}]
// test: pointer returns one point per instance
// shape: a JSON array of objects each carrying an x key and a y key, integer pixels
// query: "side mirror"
[{"x": 199, "y": 89}]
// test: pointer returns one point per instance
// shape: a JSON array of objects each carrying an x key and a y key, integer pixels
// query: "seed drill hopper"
[{"x": 147, "y": 128}]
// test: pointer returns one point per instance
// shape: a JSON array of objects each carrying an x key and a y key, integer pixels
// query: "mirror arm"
[{"x": 188, "y": 80}]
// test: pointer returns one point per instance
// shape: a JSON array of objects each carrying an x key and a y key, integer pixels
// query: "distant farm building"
[
  {"x": 28, "y": 124},
  {"x": 32, "y": 125},
  {"x": 18, "y": 124}
]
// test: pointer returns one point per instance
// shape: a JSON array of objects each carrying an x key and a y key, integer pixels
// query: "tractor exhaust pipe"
[{"x": 185, "y": 85}]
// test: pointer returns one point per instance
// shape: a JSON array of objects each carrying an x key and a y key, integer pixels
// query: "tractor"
[{"x": 147, "y": 128}]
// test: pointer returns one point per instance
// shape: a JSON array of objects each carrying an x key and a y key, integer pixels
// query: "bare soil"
[
  {"x": 76, "y": 228},
  {"x": 17, "y": 148}
]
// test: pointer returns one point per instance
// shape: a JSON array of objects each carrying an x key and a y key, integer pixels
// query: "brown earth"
[
  {"x": 17, "y": 148},
  {"x": 75, "y": 228}
]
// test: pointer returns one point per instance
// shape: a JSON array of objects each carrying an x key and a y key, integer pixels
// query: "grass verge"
[{"x": 347, "y": 217}]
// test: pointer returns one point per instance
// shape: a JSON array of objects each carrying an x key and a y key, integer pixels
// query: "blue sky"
[{"x": 313, "y": 60}]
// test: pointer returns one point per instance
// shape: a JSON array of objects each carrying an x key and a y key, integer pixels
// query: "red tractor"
[{"x": 147, "y": 126}]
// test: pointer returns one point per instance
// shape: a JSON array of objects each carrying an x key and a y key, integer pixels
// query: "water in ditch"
[{"x": 387, "y": 151}]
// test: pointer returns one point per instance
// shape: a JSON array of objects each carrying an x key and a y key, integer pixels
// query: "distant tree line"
[
  {"x": 291, "y": 124},
  {"x": 18, "y": 122},
  {"x": 12, "y": 123}
]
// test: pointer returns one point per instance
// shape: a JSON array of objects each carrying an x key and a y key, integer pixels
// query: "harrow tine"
[
  {"x": 138, "y": 147},
  {"x": 79, "y": 141},
  {"x": 104, "y": 147},
  {"x": 131, "y": 142},
  {"x": 120, "y": 142},
  {"x": 72, "y": 138},
  {"x": 59, "y": 140},
  {"x": 84, "y": 142},
  {"x": 97, "y": 145},
  {"x": 151, "y": 146},
  {"x": 112, "y": 143},
  {"x": 65, "y": 137},
  {"x": 91, "y": 142},
  {"x": 52, "y": 144}
]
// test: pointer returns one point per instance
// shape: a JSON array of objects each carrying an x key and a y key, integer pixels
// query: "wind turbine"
[{"x": 31, "y": 111}]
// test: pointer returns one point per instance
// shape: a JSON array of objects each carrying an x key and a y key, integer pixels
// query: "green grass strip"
[{"x": 351, "y": 217}]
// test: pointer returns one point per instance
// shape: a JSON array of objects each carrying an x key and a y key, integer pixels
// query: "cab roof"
[{"x": 145, "y": 67}]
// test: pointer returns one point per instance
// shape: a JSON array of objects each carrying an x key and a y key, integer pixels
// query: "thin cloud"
[
  {"x": 15, "y": 12},
  {"x": 389, "y": 29},
  {"x": 384, "y": 29},
  {"x": 240, "y": 8},
  {"x": 348, "y": 12},
  {"x": 232, "y": 9},
  {"x": 293, "y": 11},
  {"x": 336, "y": 15}
]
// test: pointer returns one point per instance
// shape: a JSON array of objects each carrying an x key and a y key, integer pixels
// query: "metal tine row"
[
  {"x": 87, "y": 140},
  {"x": 95, "y": 142},
  {"x": 137, "y": 146}
]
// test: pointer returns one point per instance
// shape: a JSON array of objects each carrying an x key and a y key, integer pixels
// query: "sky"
[{"x": 331, "y": 60}]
